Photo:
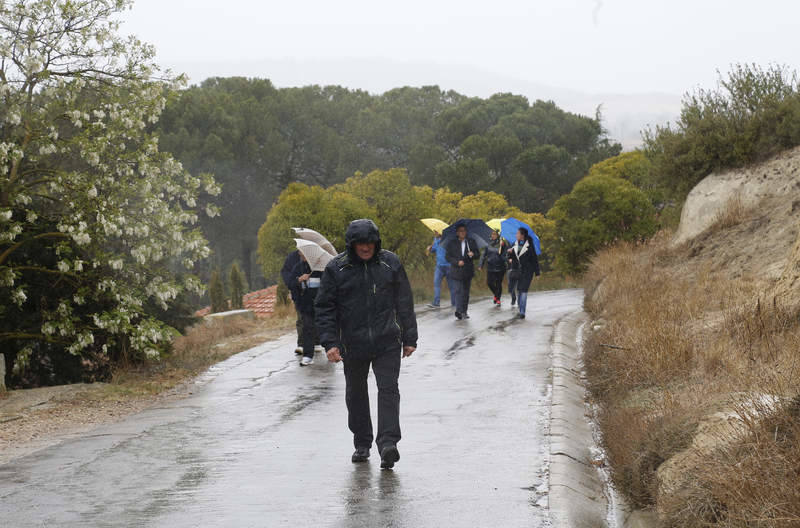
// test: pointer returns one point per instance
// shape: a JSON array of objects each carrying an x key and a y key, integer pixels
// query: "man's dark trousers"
[
  {"x": 462, "y": 294},
  {"x": 386, "y": 366}
]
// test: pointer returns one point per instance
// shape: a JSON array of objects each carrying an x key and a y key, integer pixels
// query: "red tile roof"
[{"x": 261, "y": 302}]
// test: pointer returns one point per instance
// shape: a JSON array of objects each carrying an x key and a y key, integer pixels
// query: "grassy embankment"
[{"x": 686, "y": 355}]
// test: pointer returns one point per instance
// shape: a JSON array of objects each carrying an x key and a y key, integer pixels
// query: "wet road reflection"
[{"x": 265, "y": 443}]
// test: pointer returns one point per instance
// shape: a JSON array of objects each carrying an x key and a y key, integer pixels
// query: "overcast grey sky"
[{"x": 526, "y": 46}]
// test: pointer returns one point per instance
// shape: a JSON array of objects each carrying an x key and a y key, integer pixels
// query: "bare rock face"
[{"x": 777, "y": 178}]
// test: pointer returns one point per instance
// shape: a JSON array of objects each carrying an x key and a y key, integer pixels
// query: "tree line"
[{"x": 258, "y": 139}]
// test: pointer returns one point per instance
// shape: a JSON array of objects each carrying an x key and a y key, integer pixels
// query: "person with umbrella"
[
  {"x": 306, "y": 275},
  {"x": 442, "y": 271},
  {"x": 307, "y": 282},
  {"x": 365, "y": 315},
  {"x": 494, "y": 257},
  {"x": 523, "y": 259},
  {"x": 461, "y": 252}
]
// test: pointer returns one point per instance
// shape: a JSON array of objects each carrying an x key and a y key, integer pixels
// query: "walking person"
[
  {"x": 287, "y": 275},
  {"x": 441, "y": 272},
  {"x": 522, "y": 256},
  {"x": 494, "y": 258},
  {"x": 365, "y": 315},
  {"x": 307, "y": 288},
  {"x": 461, "y": 252}
]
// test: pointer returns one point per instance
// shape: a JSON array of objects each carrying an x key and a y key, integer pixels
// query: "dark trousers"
[
  {"x": 299, "y": 325},
  {"x": 513, "y": 279},
  {"x": 462, "y": 294},
  {"x": 308, "y": 336},
  {"x": 494, "y": 279},
  {"x": 386, "y": 367}
]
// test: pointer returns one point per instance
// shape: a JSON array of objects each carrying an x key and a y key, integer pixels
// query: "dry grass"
[
  {"x": 205, "y": 344},
  {"x": 732, "y": 214},
  {"x": 686, "y": 340}
]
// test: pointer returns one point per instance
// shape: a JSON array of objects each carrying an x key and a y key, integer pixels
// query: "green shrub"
[
  {"x": 237, "y": 282},
  {"x": 752, "y": 114}
]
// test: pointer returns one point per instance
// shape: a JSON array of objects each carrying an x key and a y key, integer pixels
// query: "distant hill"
[{"x": 625, "y": 115}]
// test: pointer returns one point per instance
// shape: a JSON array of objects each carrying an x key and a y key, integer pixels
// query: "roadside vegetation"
[{"x": 693, "y": 362}]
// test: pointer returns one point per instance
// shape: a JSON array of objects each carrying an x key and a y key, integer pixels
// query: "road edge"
[{"x": 577, "y": 492}]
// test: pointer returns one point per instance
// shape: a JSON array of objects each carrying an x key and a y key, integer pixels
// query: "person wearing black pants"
[
  {"x": 494, "y": 257},
  {"x": 461, "y": 252},
  {"x": 307, "y": 286},
  {"x": 365, "y": 316}
]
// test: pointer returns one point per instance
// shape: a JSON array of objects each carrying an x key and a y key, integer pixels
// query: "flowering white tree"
[{"x": 94, "y": 220}]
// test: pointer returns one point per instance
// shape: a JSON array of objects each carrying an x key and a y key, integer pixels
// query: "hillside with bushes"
[{"x": 694, "y": 363}]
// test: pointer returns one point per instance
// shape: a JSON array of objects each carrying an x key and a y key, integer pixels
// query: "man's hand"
[
  {"x": 408, "y": 350},
  {"x": 334, "y": 355},
  {"x": 460, "y": 263},
  {"x": 470, "y": 254},
  {"x": 304, "y": 277}
]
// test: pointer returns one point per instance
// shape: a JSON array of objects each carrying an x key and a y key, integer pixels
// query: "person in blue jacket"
[{"x": 442, "y": 271}]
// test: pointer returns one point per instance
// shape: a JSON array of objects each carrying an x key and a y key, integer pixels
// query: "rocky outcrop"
[{"x": 776, "y": 178}]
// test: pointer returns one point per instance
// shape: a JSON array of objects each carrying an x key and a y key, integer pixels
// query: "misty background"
[{"x": 635, "y": 58}]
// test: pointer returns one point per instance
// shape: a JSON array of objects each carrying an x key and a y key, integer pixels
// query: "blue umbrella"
[
  {"x": 477, "y": 231},
  {"x": 509, "y": 228}
]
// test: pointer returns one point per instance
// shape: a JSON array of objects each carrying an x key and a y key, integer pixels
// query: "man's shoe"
[
  {"x": 513, "y": 302},
  {"x": 361, "y": 454},
  {"x": 389, "y": 455},
  {"x": 306, "y": 361},
  {"x": 431, "y": 305},
  {"x": 465, "y": 315},
  {"x": 458, "y": 315},
  {"x": 520, "y": 316},
  {"x": 298, "y": 351}
]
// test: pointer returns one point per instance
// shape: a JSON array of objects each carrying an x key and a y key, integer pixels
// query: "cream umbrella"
[
  {"x": 313, "y": 236},
  {"x": 315, "y": 255},
  {"x": 434, "y": 224}
]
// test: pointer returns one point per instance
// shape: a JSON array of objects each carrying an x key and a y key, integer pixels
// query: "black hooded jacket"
[{"x": 365, "y": 308}]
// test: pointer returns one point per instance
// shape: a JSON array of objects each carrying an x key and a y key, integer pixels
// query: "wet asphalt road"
[{"x": 263, "y": 442}]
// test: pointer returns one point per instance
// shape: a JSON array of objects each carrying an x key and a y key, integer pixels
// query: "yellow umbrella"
[
  {"x": 434, "y": 224},
  {"x": 494, "y": 223}
]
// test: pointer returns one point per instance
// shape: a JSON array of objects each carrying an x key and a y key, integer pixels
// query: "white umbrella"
[
  {"x": 316, "y": 257},
  {"x": 313, "y": 236}
]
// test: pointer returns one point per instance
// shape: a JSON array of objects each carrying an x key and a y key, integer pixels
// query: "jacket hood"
[{"x": 362, "y": 230}]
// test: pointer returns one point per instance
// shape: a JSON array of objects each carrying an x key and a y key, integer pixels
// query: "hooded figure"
[{"x": 365, "y": 317}]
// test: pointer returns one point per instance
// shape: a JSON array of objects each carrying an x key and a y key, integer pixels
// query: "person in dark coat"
[
  {"x": 494, "y": 258},
  {"x": 365, "y": 316},
  {"x": 522, "y": 257},
  {"x": 307, "y": 282},
  {"x": 461, "y": 252},
  {"x": 287, "y": 275}
]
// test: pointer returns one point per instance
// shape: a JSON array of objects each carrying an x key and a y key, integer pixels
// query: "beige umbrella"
[
  {"x": 316, "y": 257},
  {"x": 313, "y": 236}
]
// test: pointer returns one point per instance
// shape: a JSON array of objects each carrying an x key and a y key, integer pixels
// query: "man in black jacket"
[
  {"x": 365, "y": 316},
  {"x": 461, "y": 252}
]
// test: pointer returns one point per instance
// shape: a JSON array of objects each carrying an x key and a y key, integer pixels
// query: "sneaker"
[
  {"x": 306, "y": 361},
  {"x": 389, "y": 455},
  {"x": 431, "y": 305},
  {"x": 361, "y": 454},
  {"x": 298, "y": 351},
  {"x": 458, "y": 315}
]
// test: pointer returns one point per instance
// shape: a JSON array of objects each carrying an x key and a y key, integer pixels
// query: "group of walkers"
[
  {"x": 455, "y": 263},
  {"x": 360, "y": 310}
]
